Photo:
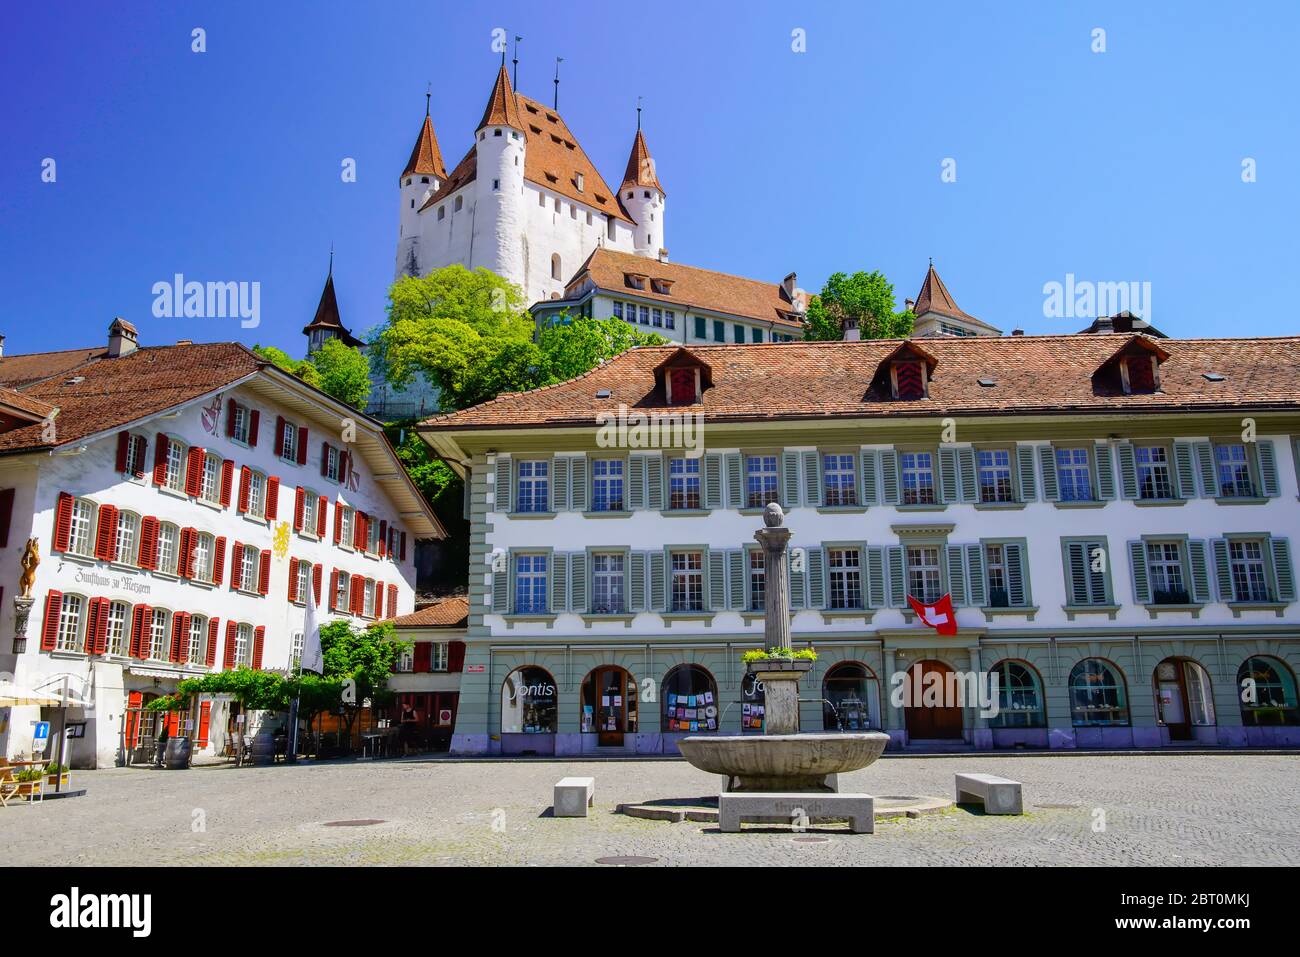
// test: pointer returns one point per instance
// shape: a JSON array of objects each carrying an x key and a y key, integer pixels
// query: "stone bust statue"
[{"x": 773, "y": 516}]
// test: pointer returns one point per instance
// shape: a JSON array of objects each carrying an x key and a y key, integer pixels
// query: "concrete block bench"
[
  {"x": 773, "y": 807},
  {"x": 997, "y": 795},
  {"x": 573, "y": 796}
]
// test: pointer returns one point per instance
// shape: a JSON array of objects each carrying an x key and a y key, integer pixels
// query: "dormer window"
[
  {"x": 1140, "y": 373},
  {"x": 905, "y": 372},
  {"x": 662, "y": 286},
  {"x": 633, "y": 280},
  {"x": 683, "y": 378},
  {"x": 1134, "y": 368},
  {"x": 578, "y": 181},
  {"x": 908, "y": 380}
]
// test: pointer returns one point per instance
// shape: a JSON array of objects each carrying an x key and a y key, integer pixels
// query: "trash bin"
[{"x": 178, "y": 753}]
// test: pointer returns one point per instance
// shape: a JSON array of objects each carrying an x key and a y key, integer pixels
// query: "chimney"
[
  {"x": 851, "y": 333},
  {"x": 790, "y": 284},
  {"x": 2, "y": 345},
  {"x": 122, "y": 338},
  {"x": 909, "y": 304},
  {"x": 663, "y": 255}
]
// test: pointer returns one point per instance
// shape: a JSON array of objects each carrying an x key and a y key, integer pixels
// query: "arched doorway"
[
  {"x": 850, "y": 701},
  {"x": 690, "y": 700},
  {"x": 930, "y": 708},
  {"x": 1183, "y": 697},
  {"x": 609, "y": 705}
]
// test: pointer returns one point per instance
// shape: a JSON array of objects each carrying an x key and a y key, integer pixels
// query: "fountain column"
[{"x": 781, "y": 682}]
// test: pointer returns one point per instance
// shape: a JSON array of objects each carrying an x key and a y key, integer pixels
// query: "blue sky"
[{"x": 225, "y": 165}]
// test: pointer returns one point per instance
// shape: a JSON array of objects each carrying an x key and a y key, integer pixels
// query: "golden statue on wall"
[{"x": 31, "y": 558}]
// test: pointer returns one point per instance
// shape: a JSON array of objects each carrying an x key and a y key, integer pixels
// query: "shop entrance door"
[
  {"x": 931, "y": 722},
  {"x": 1183, "y": 697},
  {"x": 611, "y": 706}
]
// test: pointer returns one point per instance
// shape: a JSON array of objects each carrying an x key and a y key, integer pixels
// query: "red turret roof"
[
  {"x": 640, "y": 166},
  {"x": 502, "y": 110},
  {"x": 426, "y": 158}
]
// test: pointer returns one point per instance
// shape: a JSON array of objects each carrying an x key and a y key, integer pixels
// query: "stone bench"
[
  {"x": 790, "y": 807},
  {"x": 573, "y": 796},
  {"x": 997, "y": 795}
]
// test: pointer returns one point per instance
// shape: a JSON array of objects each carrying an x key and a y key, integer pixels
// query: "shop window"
[
  {"x": 1267, "y": 689},
  {"x": 1020, "y": 696},
  {"x": 690, "y": 700},
  {"x": 1184, "y": 698},
  {"x": 529, "y": 702},
  {"x": 851, "y": 698},
  {"x": 1098, "y": 697},
  {"x": 609, "y": 704}
]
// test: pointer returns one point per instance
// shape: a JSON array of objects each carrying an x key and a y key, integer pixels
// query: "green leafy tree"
[
  {"x": 572, "y": 345},
  {"x": 867, "y": 298},
  {"x": 365, "y": 655},
  {"x": 343, "y": 372},
  {"x": 301, "y": 368}
]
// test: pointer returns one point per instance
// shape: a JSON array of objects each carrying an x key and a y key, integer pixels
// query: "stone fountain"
[{"x": 780, "y": 759}]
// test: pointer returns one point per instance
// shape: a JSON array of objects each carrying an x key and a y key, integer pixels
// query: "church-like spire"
[
  {"x": 426, "y": 158},
  {"x": 640, "y": 164},
  {"x": 327, "y": 319},
  {"x": 935, "y": 297},
  {"x": 502, "y": 109}
]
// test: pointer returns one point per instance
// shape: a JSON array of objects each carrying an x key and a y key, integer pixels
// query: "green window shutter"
[
  {"x": 1186, "y": 472},
  {"x": 1105, "y": 470},
  {"x": 1283, "y": 570},
  {"x": 798, "y": 588},
  {"x": 1223, "y": 571},
  {"x": 1205, "y": 459},
  {"x": 969, "y": 487},
  {"x": 1025, "y": 473},
  {"x": 1267, "y": 468},
  {"x": 874, "y": 591},
  {"x": 636, "y": 581},
  {"x": 975, "y": 562},
  {"x": 1076, "y": 573},
  {"x": 502, "y": 489},
  {"x": 1047, "y": 459},
  {"x": 897, "y": 577},
  {"x": 1128, "y": 471},
  {"x": 559, "y": 582},
  {"x": 635, "y": 481},
  {"x": 560, "y": 484},
  {"x": 947, "y": 475},
  {"x": 654, "y": 482},
  {"x": 735, "y": 484},
  {"x": 712, "y": 480},
  {"x": 817, "y": 577},
  {"x": 501, "y": 588},
  {"x": 701, "y": 330},
  {"x": 812, "y": 479},
  {"x": 736, "y": 579},
  {"x": 889, "y": 475},
  {"x": 658, "y": 582},
  {"x": 578, "y": 582},
  {"x": 578, "y": 484},
  {"x": 870, "y": 493},
  {"x": 1100, "y": 580},
  {"x": 1200, "y": 570},
  {"x": 1017, "y": 574},
  {"x": 956, "y": 574},
  {"x": 715, "y": 585},
  {"x": 789, "y": 480},
  {"x": 1137, "y": 559}
]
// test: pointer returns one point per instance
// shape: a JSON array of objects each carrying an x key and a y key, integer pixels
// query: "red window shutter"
[
  {"x": 383, "y": 538},
  {"x": 227, "y": 480},
  {"x": 106, "y": 535},
  {"x": 279, "y": 436},
  {"x": 212, "y": 643},
  {"x": 264, "y": 573},
  {"x": 403, "y": 546},
  {"x": 92, "y": 622},
  {"x": 456, "y": 656},
  {"x": 149, "y": 542},
  {"x": 133, "y": 645},
  {"x": 141, "y": 447},
  {"x": 245, "y": 483},
  {"x": 184, "y": 549},
  {"x": 259, "y": 640},
  {"x": 334, "y": 587},
  {"x": 173, "y": 723},
  {"x": 229, "y": 660},
  {"x": 423, "y": 657},
  {"x": 911, "y": 385},
  {"x": 360, "y": 531},
  {"x": 379, "y": 601},
  {"x": 324, "y": 458},
  {"x": 357, "y": 597},
  {"x": 392, "y": 601},
  {"x": 50, "y": 628},
  {"x": 254, "y": 419},
  {"x": 299, "y": 506},
  {"x": 205, "y": 716},
  {"x": 316, "y": 571},
  {"x": 101, "y": 627},
  {"x": 302, "y": 445},
  {"x": 134, "y": 702},
  {"x": 237, "y": 567},
  {"x": 219, "y": 560},
  {"x": 160, "y": 460},
  {"x": 272, "y": 498},
  {"x": 338, "y": 524},
  {"x": 322, "y": 508},
  {"x": 178, "y": 636},
  {"x": 6, "y": 514},
  {"x": 230, "y": 418},
  {"x": 144, "y": 639},
  {"x": 194, "y": 472},
  {"x": 62, "y": 522},
  {"x": 123, "y": 448},
  {"x": 293, "y": 579}
]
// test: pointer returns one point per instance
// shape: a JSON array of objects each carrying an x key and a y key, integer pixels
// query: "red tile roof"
[
  {"x": 501, "y": 109},
  {"x": 935, "y": 297},
  {"x": 640, "y": 166},
  {"x": 825, "y": 380},
  {"x": 445, "y": 613},
  {"x": 426, "y": 158}
]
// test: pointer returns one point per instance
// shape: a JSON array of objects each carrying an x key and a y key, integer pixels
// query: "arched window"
[
  {"x": 1098, "y": 697},
  {"x": 168, "y": 539},
  {"x": 690, "y": 700},
  {"x": 204, "y": 549},
  {"x": 244, "y": 644},
  {"x": 1020, "y": 696},
  {"x": 126, "y": 548},
  {"x": 159, "y": 639},
  {"x": 71, "y": 619},
  {"x": 555, "y": 266},
  {"x": 1271, "y": 686},
  {"x": 174, "y": 470},
  {"x": 197, "y": 640},
  {"x": 528, "y": 702},
  {"x": 119, "y": 613},
  {"x": 851, "y": 699},
  {"x": 210, "y": 485}
]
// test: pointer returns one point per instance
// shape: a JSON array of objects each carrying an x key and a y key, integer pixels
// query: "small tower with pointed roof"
[
  {"x": 423, "y": 176},
  {"x": 500, "y": 224},
  {"x": 327, "y": 324},
  {"x": 643, "y": 197},
  {"x": 937, "y": 313}
]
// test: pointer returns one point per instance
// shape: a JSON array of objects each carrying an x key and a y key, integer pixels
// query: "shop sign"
[
  {"x": 124, "y": 583},
  {"x": 474, "y": 669}
]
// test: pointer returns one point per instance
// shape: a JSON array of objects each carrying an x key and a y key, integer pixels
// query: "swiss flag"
[{"x": 938, "y": 616}]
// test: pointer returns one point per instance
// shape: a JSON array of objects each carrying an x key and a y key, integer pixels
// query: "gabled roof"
[
  {"x": 640, "y": 166},
  {"x": 935, "y": 297},
  {"x": 826, "y": 380},
  {"x": 426, "y": 158},
  {"x": 450, "y": 612},
  {"x": 501, "y": 109},
  {"x": 327, "y": 315},
  {"x": 689, "y": 287}
]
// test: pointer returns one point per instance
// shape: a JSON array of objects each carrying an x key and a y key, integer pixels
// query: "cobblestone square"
[{"x": 1082, "y": 810}]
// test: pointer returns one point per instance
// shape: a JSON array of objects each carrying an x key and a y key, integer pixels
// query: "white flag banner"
[{"x": 312, "y": 659}]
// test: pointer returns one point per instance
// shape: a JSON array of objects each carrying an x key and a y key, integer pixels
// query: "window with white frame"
[
  {"x": 1249, "y": 570},
  {"x": 81, "y": 531},
  {"x": 174, "y": 472},
  {"x": 534, "y": 486},
  {"x": 1154, "y": 478},
  {"x": 368, "y": 599},
  {"x": 687, "y": 581},
  {"x": 204, "y": 550},
  {"x": 135, "y": 455},
  {"x": 438, "y": 656},
  {"x": 530, "y": 584},
  {"x": 241, "y": 423},
  {"x": 289, "y": 442},
  {"x": 995, "y": 475},
  {"x": 918, "y": 478},
  {"x": 995, "y": 571},
  {"x": 845, "y": 577},
  {"x": 248, "y": 568},
  {"x": 295, "y": 649},
  {"x": 332, "y": 463},
  {"x": 924, "y": 582},
  {"x": 372, "y": 536},
  {"x": 210, "y": 488},
  {"x": 839, "y": 480},
  {"x": 158, "y": 639},
  {"x": 1232, "y": 470},
  {"x": 1165, "y": 573},
  {"x": 244, "y": 644},
  {"x": 302, "y": 586},
  {"x": 310, "y": 503},
  {"x": 760, "y": 480},
  {"x": 70, "y": 616},
  {"x": 168, "y": 539},
  {"x": 198, "y": 640},
  {"x": 607, "y": 583},
  {"x": 757, "y": 580},
  {"x": 126, "y": 547},
  {"x": 118, "y": 613},
  {"x": 345, "y": 524},
  {"x": 684, "y": 483},
  {"x": 257, "y": 494},
  {"x": 1073, "y": 475},
  {"x": 607, "y": 485},
  {"x": 406, "y": 660},
  {"x": 342, "y": 592}
]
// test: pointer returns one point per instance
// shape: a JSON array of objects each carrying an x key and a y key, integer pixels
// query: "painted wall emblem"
[
  {"x": 280, "y": 543},
  {"x": 211, "y": 415}
]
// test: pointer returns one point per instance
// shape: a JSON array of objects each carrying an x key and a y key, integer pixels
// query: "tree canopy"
[
  {"x": 344, "y": 372},
  {"x": 868, "y": 298}
]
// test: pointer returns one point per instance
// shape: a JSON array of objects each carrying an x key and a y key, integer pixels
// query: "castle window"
[
  {"x": 424, "y": 179},
  {"x": 555, "y": 265},
  {"x": 629, "y": 194},
  {"x": 460, "y": 202},
  {"x": 514, "y": 135},
  {"x": 442, "y": 212},
  {"x": 496, "y": 184},
  {"x": 573, "y": 211},
  {"x": 408, "y": 181},
  {"x": 557, "y": 204},
  {"x": 413, "y": 204},
  {"x": 541, "y": 199},
  {"x": 609, "y": 227},
  {"x": 578, "y": 182},
  {"x": 496, "y": 132},
  {"x": 646, "y": 194},
  {"x": 588, "y": 217}
]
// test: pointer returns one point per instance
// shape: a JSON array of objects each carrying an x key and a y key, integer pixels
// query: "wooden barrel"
[{"x": 177, "y": 753}]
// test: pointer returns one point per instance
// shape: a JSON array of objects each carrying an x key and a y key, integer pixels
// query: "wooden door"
[
  {"x": 941, "y": 722},
  {"x": 611, "y": 707},
  {"x": 1171, "y": 700}
]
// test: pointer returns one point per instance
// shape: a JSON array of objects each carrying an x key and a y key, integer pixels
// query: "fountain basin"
[{"x": 782, "y": 762}]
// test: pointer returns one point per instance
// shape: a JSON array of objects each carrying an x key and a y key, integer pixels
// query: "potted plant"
[
  {"x": 778, "y": 659},
  {"x": 58, "y": 774},
  {"x": 29, "y": 781}
]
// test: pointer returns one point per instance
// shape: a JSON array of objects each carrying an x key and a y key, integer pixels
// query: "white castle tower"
[{"x": 525, "y": 202}]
